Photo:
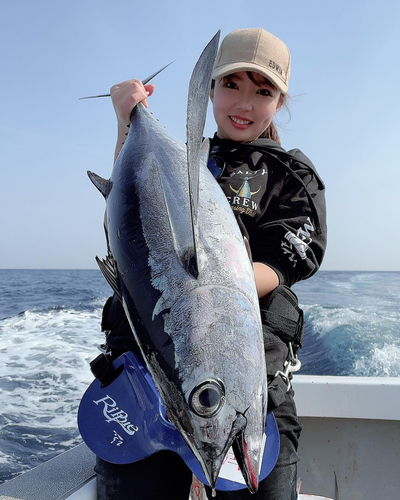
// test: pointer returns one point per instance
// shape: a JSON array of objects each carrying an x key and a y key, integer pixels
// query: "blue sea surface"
[{"x": 50, "y": 330}]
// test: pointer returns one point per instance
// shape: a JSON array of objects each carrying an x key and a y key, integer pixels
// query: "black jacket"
[{"x": 279, "y": 202}]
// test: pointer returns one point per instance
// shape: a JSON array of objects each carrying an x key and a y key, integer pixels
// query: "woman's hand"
[{"x": 124, "y": 97}]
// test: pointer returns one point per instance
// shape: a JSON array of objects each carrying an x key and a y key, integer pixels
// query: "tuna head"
[
  {"x": 216, "y": 425},
  {"x": 217, "y": 399}
]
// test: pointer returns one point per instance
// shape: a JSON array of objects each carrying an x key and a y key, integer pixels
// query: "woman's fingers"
[
  {"x": 126, "y": 95},
  {"x": 149, "y": 90}
]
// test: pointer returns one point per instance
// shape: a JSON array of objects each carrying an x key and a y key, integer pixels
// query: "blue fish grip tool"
[{"x": 125, "y": 421}]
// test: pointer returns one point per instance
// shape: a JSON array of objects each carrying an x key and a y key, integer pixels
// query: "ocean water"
[{"x": 49, "y": 332}]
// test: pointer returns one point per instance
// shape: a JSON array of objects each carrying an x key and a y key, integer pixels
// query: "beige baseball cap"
[{"x": 254, "y": 49}]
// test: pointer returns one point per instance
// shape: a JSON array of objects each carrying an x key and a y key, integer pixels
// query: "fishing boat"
[{"x": 349, "y": 447}]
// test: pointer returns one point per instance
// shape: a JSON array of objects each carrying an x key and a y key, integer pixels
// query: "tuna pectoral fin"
[
  {"x": 103, "y": 185},
  {"x": 199, "y": 94},
  {"x": 180, "y": 223},
  {"x": 249, "y": 465},
  {"x": 107, "y": 267}
]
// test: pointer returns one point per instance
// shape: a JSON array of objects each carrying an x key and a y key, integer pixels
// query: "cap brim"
[{"x": 228, "y": 69}]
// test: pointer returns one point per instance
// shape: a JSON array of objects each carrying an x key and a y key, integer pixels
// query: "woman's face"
[{"x": 244, "y": 109}]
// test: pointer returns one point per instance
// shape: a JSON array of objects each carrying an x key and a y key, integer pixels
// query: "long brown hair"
[{"x": 270, "y": 132}]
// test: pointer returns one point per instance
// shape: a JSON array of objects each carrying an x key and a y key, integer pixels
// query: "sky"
[{"x": 344, "y": 113}]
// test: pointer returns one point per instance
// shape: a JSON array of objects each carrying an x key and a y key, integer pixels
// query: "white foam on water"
[
  {"x": 44, "y": 366},
  {"x": 366, "y": 339},
  {"x": 4, "y": 458},
  {"x": 370, "y": 322},
  {"x": 381, "y": 362}
]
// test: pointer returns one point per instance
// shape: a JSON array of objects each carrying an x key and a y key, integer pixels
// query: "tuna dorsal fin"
[
  {"x": 199, "y": 93},
  {"x": 103, "y": 185},
  {"x": 107, "y": 267}
]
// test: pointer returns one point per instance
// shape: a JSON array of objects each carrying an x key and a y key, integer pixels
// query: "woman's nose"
[{"x": 244, "y": 104}]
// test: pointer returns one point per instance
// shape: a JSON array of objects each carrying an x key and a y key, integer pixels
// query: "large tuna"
[{"x": 180, "y": 266}]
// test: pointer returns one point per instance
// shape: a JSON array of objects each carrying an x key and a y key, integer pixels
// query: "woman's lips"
[{"x": 239, "y": 122}]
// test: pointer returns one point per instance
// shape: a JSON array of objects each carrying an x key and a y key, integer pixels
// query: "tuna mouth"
[
  {"x": 211, "y": 468},
  {"x": 248, "y": 465},
  {"x": 248, "y": 462}
]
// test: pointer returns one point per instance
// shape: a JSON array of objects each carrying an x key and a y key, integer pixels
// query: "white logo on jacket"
[{"x": 298, "y": 243}]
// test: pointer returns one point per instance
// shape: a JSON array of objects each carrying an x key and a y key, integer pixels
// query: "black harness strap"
[{"x": 282, "y": 314}]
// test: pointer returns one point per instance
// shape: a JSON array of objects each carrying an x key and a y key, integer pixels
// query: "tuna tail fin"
[
  {"x": 103, "y": 185},
  {"x": 199, "y": 93}
]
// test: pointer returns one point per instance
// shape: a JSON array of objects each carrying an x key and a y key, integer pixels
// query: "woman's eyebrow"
[
  {"x": 234, "y": 77},
  {"x": 266, "y": 82}
]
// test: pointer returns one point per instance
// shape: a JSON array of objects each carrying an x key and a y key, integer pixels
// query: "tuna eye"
[{"x": 207, "y": 398}]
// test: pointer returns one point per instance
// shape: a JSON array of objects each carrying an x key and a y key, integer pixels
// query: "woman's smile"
[{"x": 240, "y": 122}]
